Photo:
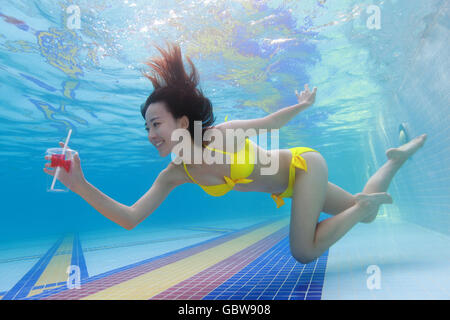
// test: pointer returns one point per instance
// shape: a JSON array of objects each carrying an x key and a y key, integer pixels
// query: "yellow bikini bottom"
[{"x": 297, "y": 162}]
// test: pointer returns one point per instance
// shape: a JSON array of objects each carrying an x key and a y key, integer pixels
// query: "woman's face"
[{"x": 160, "y": 124}]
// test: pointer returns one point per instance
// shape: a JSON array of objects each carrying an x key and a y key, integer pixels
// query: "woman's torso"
[{"x": 213, "y": 174}]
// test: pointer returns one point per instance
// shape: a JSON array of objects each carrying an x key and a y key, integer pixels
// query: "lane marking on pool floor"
[
  {"x": 206, "y": 281},
  {"x": 50, "y": 271},
  {"x": 27, "y": 283},
  {"x": 150, "y": 284},
  {"x": 55, "y": 272},
  {"x": 120, "y": 275},
  {"x": 115, "y": 276}
]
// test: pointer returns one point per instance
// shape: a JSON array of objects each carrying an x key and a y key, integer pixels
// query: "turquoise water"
[{"x": 251, "y": 56}]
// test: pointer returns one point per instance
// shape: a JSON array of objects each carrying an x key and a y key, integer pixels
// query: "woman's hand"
[
  {"x": 306, "y": 97},
  {"x": 74, "y": 179}
]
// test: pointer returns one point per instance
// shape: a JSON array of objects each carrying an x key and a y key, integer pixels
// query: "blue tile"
[
  {"x": 297, "y": 297},
  {"x": 276, "y": 274}
]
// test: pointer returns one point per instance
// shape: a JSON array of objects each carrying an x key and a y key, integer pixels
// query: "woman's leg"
[
  {"x": 381, "y": 180},
  {"x": 337, "y": 200},
  {"x": 308, "y": 238}
]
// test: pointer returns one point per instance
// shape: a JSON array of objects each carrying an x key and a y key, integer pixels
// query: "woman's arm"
[
  {"x": 108, "y": 207},
  {"x": 130, "y": 217},
  {"x": 75, "y": 181},
  {"x": 277, "y": 119},
  {"x": 125, "y": 216},
  {"x": 305, "y": 99},
  {"x": 166, "y": 181}
]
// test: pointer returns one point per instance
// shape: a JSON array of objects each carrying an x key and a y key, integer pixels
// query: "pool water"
[{"x": 379, "y": 66}]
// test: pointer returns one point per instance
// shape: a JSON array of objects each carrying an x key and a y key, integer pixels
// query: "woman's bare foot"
[
  {"x": 370, "y": 204},
  {"x": 402, "y": 153}
]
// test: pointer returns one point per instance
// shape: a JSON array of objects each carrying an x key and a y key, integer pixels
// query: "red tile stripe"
[{"x": 200, "y": 285}]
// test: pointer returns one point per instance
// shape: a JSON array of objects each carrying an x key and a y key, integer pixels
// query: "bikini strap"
[
  {"x": 185, "y": 169},
  {"x": 245, "y": 146},
  {"x": 212, "y": 149}
]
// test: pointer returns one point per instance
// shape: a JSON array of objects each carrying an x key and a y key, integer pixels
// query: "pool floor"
[{"x": 238, "y": 260}]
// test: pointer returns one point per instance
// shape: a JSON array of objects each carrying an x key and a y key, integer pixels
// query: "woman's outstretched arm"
[
  {"x": 166, "y": 181},
  {"x": 277, "y": 119},
  {"x": 130, "y": 217},
  {"x": 305, "y": 99},
  {"x": 125, "y": 216},
  {"x": 108, "y": 207}
]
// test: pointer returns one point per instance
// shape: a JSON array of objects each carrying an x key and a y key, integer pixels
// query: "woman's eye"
[{"x": 155, "y": 124}]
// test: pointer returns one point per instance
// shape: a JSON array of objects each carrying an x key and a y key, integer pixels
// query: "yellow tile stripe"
[
  {"x": 57, "y": 267},
  {"x": 150, "y": 284}
]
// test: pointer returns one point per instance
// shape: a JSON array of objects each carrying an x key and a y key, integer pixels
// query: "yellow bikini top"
[{"x": 240, "y": 168}]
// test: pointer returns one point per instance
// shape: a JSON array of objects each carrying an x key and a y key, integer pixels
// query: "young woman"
[{"x": 176, "y": 103}]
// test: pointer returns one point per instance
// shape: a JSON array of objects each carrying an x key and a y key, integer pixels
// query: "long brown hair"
[{"x": 177, "y": 89}]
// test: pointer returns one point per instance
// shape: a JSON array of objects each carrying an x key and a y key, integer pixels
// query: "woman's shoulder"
[{"x": 176, "y": 173}]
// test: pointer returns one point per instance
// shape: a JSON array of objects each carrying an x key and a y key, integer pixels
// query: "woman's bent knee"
[
  {"x": 303, "y": 255},
  {"x": 303, "y": 258}
]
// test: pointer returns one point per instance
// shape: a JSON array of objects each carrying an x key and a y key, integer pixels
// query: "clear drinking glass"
[{"x": 64, "y": 163}]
